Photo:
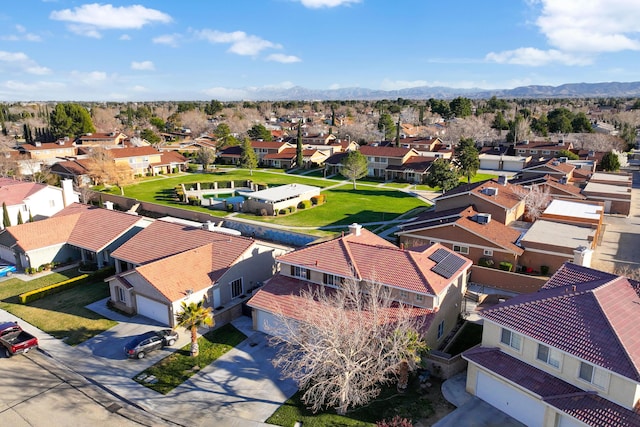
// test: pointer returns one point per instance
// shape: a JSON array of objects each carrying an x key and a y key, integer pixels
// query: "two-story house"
[
  {"x": 499, "y": 198},
  {"x": 558, "y": 168},
  {"x": 465, "y": 231},
  {"x": 49, "y": 152},
  {"x": 381, "y": 158},
  {"x": 431, "y": 280},
  {"x": 542, "y": 149},
  {"x": 102, "y": 139},
  {"x": 565, "y": 356},
  {"x": 139, "y": 159},
  {"x": 169, "y": 263}
]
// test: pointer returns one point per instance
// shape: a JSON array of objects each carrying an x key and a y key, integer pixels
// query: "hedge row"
[{"x": 39, "y": 293}]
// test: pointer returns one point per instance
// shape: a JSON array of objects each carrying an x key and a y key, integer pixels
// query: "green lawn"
[
  {"x": 345, "y": 205},
  {"x": 409, "y": 405},
  {"x": 175, "y": 369},
  {"x": 61, "y": 315}
]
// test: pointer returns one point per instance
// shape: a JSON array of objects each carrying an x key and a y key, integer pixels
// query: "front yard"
[
  {"x": 62, "y": 315},
  {"x": 175, "y": 369}
]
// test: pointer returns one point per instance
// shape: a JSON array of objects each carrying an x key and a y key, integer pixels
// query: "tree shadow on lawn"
[{"x": 362, "y": 217}]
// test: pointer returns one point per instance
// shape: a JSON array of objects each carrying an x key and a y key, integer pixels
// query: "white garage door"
[
  {"x": 153, "y": 310},
  {"x": 266, "y": 322},
  {"x": 509, "y": 400}
]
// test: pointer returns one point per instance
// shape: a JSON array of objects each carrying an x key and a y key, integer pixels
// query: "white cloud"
[
  {"x": 139, "y": 88},
  {"x": 591, "y": 26},
  {"x": 241, "y": 42},
  {"x": 89, "y": 78},
  {"x": 31, "y": 87},
  {"x": 23, "y": 35},
  {"x": 89, "y": 19},
  {"x": 226, "y": 94},
  {"x": 536, "y": 57},
  {"x": 21, "y": 62},
  {"x": 282, "y": 85},
  {"x": 124, "y": 37},
  {"x": 168, "y": 39},
  {"x": 143, "y": 66},
  {"x": 317, "y": 4},
  {"x": 285, "y": 59},
  {"x": 334, "y": 86}
]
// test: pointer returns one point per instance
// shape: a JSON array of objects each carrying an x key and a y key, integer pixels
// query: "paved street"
[
  {"x": 240, "y": 389},
  {"x": 36, "y": 391}
]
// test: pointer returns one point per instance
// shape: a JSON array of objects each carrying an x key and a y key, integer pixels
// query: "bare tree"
[
  {"x": 196, "y": 121},
  {"x": 346, "y": 343},
  {"x": 536, "y": 199},
  {"x": 9, "y": 166},
  {"x": 105, "y": 118},
  {"x": 104, "y": 170}
]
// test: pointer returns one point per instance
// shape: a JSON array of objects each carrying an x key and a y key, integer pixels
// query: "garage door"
[
  {"x": 509, "y": 400},
  {"x": 7, "y": 254},
  {"x": 153, "y": 310},
  {"x": 266, "y": 322}
]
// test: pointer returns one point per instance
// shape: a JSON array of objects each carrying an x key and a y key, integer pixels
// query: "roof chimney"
[
  {"x": 108, "y": 205},
  {"x": 355, "y": 229}
]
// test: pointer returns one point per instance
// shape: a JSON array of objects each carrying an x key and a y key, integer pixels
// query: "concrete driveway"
[{"x": 621, "y": 239}]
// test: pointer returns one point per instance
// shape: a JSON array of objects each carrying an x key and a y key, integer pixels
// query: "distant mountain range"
[{"x": 570, "y": 90}]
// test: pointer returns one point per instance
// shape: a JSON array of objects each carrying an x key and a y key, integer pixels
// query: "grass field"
[{"x": 61, "y": 315}]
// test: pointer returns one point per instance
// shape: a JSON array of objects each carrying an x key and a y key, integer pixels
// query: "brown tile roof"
[
  {"x": 169, "y": 157},
  {"x": 195, "y": 269},
  {"x": 100, "y": 135},
  {"x": 414, "y": 163},
  {"x": 585, "y": 406},
  {"x": 76, "y": 167},
  {"x": 378, "y": 151},
  {"x": 40, "y": 234},
  {"x": 274, "y": 145},
  {"x": 493, "y": 231},
  {"x": 96, "y": 227},
  {"x": 162, "y": 239},
  {"x": 506, "y": 197},
  {"x": 47, "y": 146},
  {"x": 121, "y": 153},
  {"x": 14, "y": 192},
  {"x": 369, "y": 257},
  {"x": 553, "y": 164},
  {"x": 286, "y": 154},
  {"x": 282, "y": 295},
  {"x": 595, "y": 320},
  {"x": 232, "y": 151}
]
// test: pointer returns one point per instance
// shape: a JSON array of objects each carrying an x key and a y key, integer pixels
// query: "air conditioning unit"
[
  {"x": 483, "y": 218},
  {"x": 491, "y": 191}
]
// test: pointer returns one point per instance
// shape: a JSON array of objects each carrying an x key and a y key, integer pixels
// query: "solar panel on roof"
[
  {"x": 438, "y": 255},
  {"x": 448, "y": 265}
]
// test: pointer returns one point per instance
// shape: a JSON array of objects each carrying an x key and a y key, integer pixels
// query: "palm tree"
[
  {"x": 192, "y": 316},
  {"x": 410, "y": 358}
]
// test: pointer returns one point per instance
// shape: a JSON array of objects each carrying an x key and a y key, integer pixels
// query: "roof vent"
[
  {"x": 483, "y": 218},
  {"x": 563, "y": 159},
  {"x": 355, "y": 229},
  {"x": 525, "y": 142},
  {"x": 502, "y": 180},
  {"x": 37, "y": 143}
]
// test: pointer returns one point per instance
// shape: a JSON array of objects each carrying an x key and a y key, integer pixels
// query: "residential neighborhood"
[{"x": 496, "y": 275}]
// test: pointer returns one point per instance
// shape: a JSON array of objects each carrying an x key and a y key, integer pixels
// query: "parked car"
[
  {"x": 14, "y": 340},
  {"x": 139, "y": 346},
  {"x": 7, "y": 270}
]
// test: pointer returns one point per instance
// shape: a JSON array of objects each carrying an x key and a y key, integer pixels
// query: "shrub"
[
  {"x": 485, "y": 262},
  {"x": 506, "y": 266},
  {"x": 230, "y": 207},
  {"x": 36, "y": 294},
  {"x": 282, "y": 212},
  {"x": 193, "y": 200},
  {"x": 291, "y": 209},
  {"x": 544, "y": 269},
  {"x": 304, "y": 204},
  {"x": 396, "y": 421},
  {"x": 319, "y": 199}
]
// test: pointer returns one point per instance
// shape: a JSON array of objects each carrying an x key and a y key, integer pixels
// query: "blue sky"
[{"x": 225, "y": 49}]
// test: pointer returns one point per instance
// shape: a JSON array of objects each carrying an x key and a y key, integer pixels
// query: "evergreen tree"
[
  {"x": 442, "y": 175},
  {"x": 20, "y": 218},
  {"x": 398, "y": 132},
  {"x": 466, "y": 158},
  {"x": 6, "y": 222},
  {"x": 30, "y": 216},
  {"x": 610, "y": 162},
  {"x": 299, "y": 156}
]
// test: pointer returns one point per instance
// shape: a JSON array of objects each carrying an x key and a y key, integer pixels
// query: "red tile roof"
[
  {"x": 14, "y": 192},
  {"x": 379, "y": 151},
  {"x": 40, "y": 234},
  {"x": 587, "y": 407},
  {"x": 370, "y": 257},
  {"x": 162, "y": 239},
  {"x": 282, "y": 295},
  {"x": 595, "y": 320},
  {"x": 506, "y": 197},
  {"x": 194, "y": 269},
  {"x": 169, "y": 157},
  {"x": 76, "y": 167},
  {"x": 47, "y": 146}
]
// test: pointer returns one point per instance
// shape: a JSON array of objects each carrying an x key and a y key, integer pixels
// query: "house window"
[
  {"x": 121, "y": 294},
  {"x": 404, "y": 294},
  {"x": 300, "y": 272},
  {"x": 331, "y": 280},
  {"x": 549, "y": 355},
  {"x": 488, "y": 252},
  {"x": 419, "y": 297},
  {"x": 546, "y": 152},
  {"x": 461, "y": 249},
  {"x": 236, "y": 288},
  {"x": 521, "y": 151},
  {"x": 534, "y": 151},
  {"x": 511, "y": 339},
  {"x": 596, "y": 376},
  {"x": 441, "y": 329}
]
